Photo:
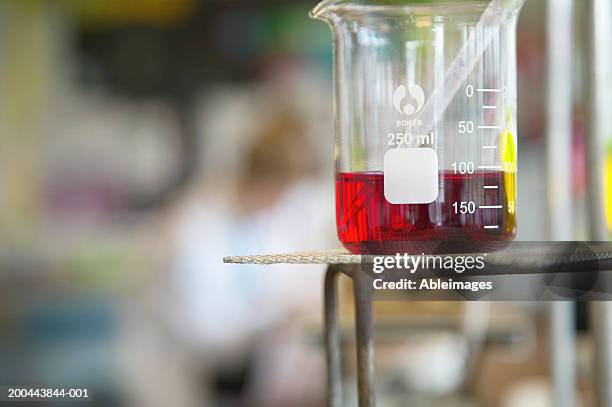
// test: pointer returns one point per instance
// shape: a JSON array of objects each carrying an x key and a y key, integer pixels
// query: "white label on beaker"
[{"x": 411, "y": 176}]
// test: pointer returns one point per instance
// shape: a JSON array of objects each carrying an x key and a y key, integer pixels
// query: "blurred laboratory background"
[{"x": 143, "y": 140}]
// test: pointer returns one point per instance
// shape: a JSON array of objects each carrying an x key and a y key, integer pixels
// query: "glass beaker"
[{"x": 425, "y": 123}]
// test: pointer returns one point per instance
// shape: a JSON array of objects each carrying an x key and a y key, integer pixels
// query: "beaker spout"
[{"x": 324, "y": 10}]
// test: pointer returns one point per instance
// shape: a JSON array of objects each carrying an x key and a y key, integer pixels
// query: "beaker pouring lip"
[
  {"x": 321, "y": 10},
  {"x": 327, "y": 8}
]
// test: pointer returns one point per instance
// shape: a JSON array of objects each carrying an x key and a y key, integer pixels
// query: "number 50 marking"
[{"x": 465, "y": 127}]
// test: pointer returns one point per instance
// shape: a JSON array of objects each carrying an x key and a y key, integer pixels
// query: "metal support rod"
[
  {"x": 558, "y": 149},
  {"x": 601, "y": 315},
  {"x": 332, "y": 337},
  {"x": 362, "y": 288},
  {"x": 598, "y": 119},
  {"x": 563, "y": 353},
  {"x": 559, "y": 127}
]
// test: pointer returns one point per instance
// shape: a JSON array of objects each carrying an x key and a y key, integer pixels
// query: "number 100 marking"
[{"x": 464, "y": 167}]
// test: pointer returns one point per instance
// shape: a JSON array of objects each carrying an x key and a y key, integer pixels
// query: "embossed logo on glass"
[{"x": 408, "y": 100}]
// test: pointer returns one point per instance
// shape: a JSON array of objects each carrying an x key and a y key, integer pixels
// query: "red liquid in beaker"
[{"x": 367, "y": 223}]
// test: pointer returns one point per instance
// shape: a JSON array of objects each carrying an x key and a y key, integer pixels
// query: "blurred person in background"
[{"x": 251, "y": 349}]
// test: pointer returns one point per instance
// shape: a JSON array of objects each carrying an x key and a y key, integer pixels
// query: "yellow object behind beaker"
[{"x": 608, "y": 187}]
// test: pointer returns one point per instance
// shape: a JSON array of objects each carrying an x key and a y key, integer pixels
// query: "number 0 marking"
[{"x": 469, "y": 91}]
